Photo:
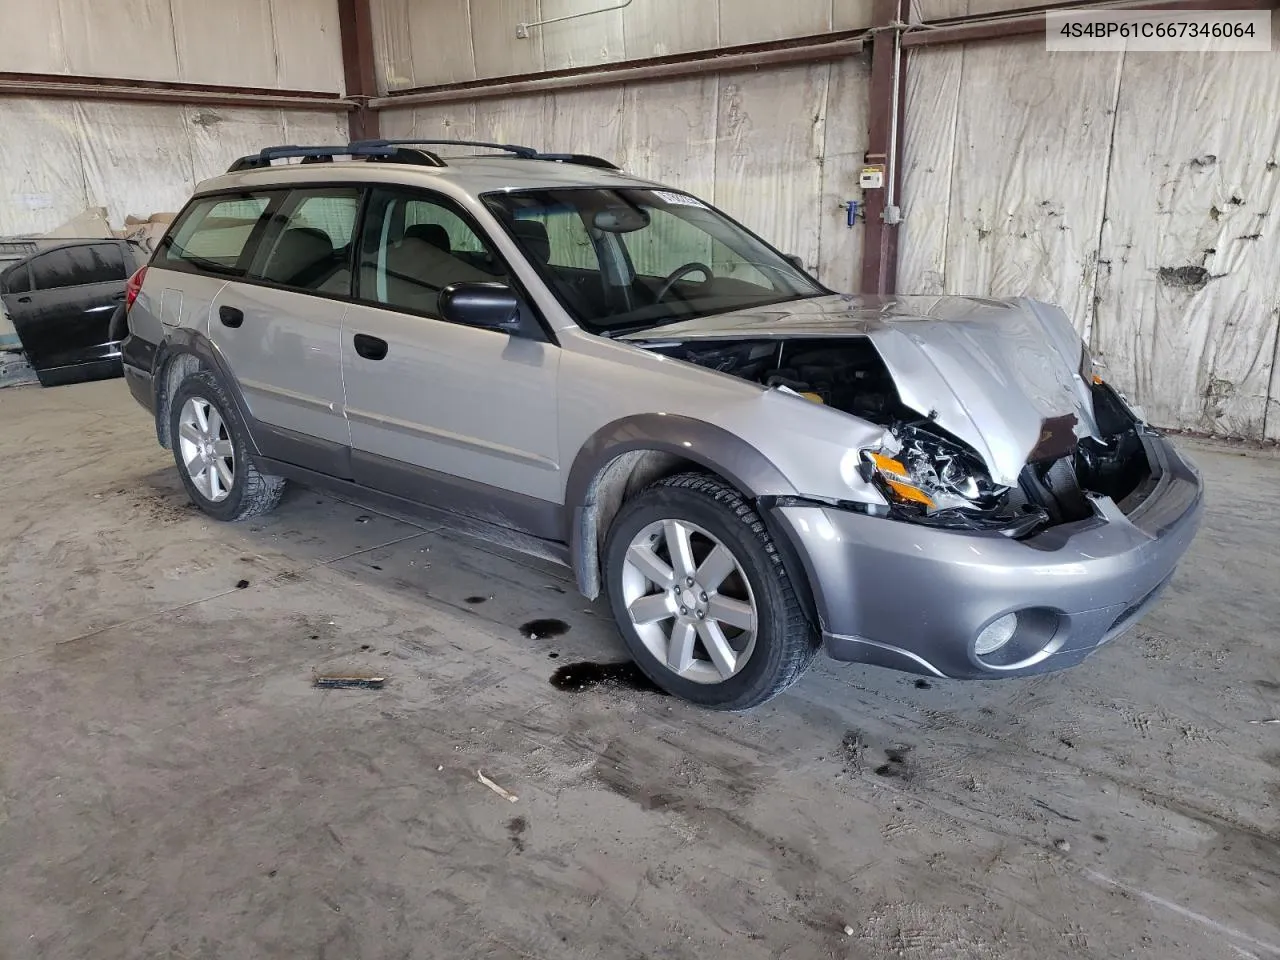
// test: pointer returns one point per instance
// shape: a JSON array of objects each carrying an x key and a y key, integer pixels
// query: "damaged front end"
[
  {"x": 928, "y": 474},
  {"x": 938, "y": 481}
]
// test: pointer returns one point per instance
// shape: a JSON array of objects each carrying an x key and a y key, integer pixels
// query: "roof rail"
[
  {"x": 370, "y": 150},
  {"x": 527, "y": 153},
  {"x": 524, "y": 153}
]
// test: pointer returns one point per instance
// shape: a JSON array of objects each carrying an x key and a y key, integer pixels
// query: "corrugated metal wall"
[
  {"x": 1144, "y": 202},
  {"x": 288, "y": 44},
  {"x": 427, "y": 42},
  {"x": 59, "y": 156},
  {"x": 777, "y": 149}
]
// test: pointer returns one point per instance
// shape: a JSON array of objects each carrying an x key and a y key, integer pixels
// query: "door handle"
[
  {"x": 371, "y": 348},
  {"x": 231, "y": 316},
  {"x": 24, "y": 299}
]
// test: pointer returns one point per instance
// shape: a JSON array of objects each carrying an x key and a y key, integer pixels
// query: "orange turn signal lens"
[
  {"x": 894, "y": 476},
  {"x": 888, "y": 465},
  {"x": 909, "y": 493}
]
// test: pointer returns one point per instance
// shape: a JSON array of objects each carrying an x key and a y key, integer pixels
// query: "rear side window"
[
  {"x": 214, "y": 234},
  {"x": 78, "y": 266},
  {"x": 309, "y": 245}
]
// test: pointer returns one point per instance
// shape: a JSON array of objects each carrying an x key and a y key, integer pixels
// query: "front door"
[
  {"x": 456, "y": 416},
  {"x": 61, "y": 306}
]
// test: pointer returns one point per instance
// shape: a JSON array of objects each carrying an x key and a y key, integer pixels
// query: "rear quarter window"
[{"x": 214, "y": 234}]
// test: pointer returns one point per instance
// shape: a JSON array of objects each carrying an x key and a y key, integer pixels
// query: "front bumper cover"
[{"x": 915, "y": 598}]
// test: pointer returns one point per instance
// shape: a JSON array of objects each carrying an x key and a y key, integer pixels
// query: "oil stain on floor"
[
  {"x": 582, "y": 676},
  {"x": 543, "y": 629}
]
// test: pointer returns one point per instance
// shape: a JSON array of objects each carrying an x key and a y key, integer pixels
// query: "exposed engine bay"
[{"x": 926, "y": 474}]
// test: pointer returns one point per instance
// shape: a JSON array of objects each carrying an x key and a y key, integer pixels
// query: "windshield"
[{"x": 627, "y": 259}]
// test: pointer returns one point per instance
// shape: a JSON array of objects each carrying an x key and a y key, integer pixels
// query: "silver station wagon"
[{"x": 615, "y": 374}]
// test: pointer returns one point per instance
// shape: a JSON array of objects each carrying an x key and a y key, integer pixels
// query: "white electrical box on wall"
[{"x": 872, "y": 177}]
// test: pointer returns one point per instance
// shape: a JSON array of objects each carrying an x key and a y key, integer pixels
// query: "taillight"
[{"x": 133, "y": 287}]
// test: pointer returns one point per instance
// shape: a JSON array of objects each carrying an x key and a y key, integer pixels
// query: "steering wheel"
[{"x": 679, "y": 272}]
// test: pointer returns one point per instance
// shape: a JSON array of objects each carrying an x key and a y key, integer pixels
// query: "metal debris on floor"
[
  {"x": 500, "y": 791},
  {"x": 348, "y": 682}
]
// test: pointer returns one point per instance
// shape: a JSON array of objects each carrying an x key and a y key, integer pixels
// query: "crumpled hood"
[{"x": 992, "y": 372}]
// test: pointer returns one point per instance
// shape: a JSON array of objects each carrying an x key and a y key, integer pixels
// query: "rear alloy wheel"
[
  {"x": 213, "y": 461},
  {"x": 205, "y": 446},
  {"x": 702, "y": 597}
]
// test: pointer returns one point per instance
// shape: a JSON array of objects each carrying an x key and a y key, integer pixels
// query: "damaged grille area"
[{"x": 1115, "y": 466}]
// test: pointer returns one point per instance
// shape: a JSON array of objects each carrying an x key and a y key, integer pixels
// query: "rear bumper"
[
  {"x": 138, "y": 357},
  {"x": 915, "y": 598}
]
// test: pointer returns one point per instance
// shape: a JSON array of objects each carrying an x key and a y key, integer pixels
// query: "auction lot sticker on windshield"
[
  {"x": 680, "y": 199},
  {"x": 1157, "y": 31}
]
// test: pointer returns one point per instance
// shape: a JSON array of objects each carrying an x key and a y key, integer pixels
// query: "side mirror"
[
  {"x": 493, "y": 306},
  {"x": 795, "y": 261}
]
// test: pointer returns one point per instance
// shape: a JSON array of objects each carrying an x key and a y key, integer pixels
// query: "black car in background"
[{"x": 66, "y": 304}]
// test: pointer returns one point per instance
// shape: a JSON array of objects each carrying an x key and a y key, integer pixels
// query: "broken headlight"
[
  {"x": 923, "y": 470},
  {"x": 929, "y": 479}
]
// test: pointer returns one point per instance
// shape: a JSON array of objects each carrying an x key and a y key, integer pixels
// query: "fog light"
[{"x": 996, "y": 634}]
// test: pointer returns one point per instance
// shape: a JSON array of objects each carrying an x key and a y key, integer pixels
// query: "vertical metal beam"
[
  {"x": 355, "y": 23},
  {"x": 884, "y": 146}
]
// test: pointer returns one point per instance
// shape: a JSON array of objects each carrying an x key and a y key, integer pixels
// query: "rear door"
[
  {"x": 62, "y": 317},
  {"x": 279, "y": 327}
]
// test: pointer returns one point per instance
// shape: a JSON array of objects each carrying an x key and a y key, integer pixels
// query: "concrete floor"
[{"x": 172, "y": 785}]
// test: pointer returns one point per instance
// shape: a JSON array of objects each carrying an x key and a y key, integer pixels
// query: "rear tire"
[
  {"x": 702, "y": 597},
  {"x": 210, "y": 449}
]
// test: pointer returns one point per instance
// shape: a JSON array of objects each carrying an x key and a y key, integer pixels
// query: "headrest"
[
  {"x": 532, "y": 235},
  {"x": 432, "y": 233},
  {"x": 298, "y": 250}
]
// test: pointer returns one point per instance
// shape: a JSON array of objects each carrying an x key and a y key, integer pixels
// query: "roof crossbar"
[
  {"x": 325, "y": 154},
  {"x": 527, "y": 153},
  {"x": 524, "y": 153},
  {"x": 584, "y": 159}
]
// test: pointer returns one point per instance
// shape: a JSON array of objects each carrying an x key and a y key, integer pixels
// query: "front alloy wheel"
[
  {"x": 702, "y": 597},
  {"x": 689, "y": 601}
]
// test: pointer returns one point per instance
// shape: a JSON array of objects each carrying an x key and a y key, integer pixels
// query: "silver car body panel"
[
  {"x": 815, "y": 449},
  {"x": 529, "y": 426},
  {"x": 471, "y": 403},
  {"x": 285, "y": 355}
]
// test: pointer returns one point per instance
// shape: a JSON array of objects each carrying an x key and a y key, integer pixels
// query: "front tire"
[
  {"x": 702, "y": 597},
  {"x": 209, "y": 447}
]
